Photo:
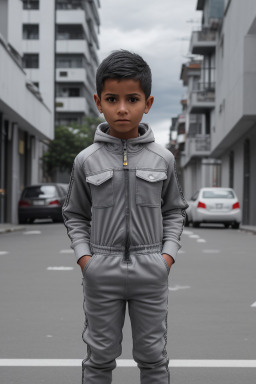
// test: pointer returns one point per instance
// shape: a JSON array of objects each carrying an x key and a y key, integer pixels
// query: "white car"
[{"x": 214, "y": 205}]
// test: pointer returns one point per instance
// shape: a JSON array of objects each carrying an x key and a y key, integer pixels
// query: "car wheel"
[
  {"x": 22, "y": 221},
  {"x": 235, "y": 225},
  {"x": 196, "y": 224},
  {"x": 226, "y": 225}
]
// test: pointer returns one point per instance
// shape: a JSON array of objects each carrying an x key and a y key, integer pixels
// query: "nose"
[{"x": 122, "y": 108}]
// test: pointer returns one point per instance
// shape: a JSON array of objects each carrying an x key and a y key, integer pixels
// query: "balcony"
[
  {"x": 72, "y": 104},
  {"x": 72, "y": 17},
  {"x": 72, "y": 75},
  {"x": 203, "y": 42},
  {"x": 202, "y": 99},
  {"x": 197, "y": 146},
  {"x": 73, "y": 46}
]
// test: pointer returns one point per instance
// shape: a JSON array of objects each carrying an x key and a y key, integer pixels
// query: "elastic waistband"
[{"x": 147, "y": 248}]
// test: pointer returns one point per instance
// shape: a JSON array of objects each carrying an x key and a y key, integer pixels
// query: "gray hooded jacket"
[{"x": 124, "y": 196}]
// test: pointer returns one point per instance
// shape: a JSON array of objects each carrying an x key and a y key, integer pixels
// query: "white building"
[
  {"x": 60, "y": 42},
  {"x": 224, "y": 93},
  {"x": 48, "y": 60},
  {"x": 25, "y": 120}
]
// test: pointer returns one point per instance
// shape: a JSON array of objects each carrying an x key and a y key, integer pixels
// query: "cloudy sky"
[{"x": 158, "y": 30}]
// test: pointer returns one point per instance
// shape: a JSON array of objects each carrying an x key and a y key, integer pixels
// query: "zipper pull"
[{"x": 125, "y": 162}]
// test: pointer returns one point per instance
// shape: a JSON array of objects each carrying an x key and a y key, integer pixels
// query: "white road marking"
[
  {"x": 211, "y": 251},
  {"x": 194, "y": 236},
  {"x": 67, "y": 251},
  {"x": 253, "y": 305},
  {"x": 32, "y": 233},
  {"x": 3, "y": 253},
  {"x": 185, "y": 232},
  {"x": 201, "y": 240},
  {"x": 60, "y": 268},
  {"x": 178, "y": 287},
  {"x": 128, "y": 363},
  {"x": 181, "y": 251}
]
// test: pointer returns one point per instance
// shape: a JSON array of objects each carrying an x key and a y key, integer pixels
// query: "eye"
[
  {"x": 133, "y": 99},
  {"x": 111, "y": 99}
]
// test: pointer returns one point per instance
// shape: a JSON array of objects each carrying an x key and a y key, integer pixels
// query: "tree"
[{"x": 68, "y": 142}]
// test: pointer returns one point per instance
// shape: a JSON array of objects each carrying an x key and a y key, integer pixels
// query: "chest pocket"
[
  {"x": 101, "y": 189},
  {"x": 149, "y": 187}
]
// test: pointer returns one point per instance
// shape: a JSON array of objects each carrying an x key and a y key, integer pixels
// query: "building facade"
[
  {"x": 60, "y": 42},
  {"x": 25, "y": 120},
  {"x": 48, "y": 60},
  {"x": 223, "y": 93}
]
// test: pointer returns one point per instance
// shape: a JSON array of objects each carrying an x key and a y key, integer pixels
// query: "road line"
[
  {"x": 201, "y": 240},
  {"x": 67, "y": 251},
  {"x": 211, "y": 251},
  {"x": 185, "y": 232},
  {"x": 60, "y": 268},
  {"x": 129, "y": 363},
  {"x": 3, "y": 253},
  {"x": 32, "y": 233},
  {"x": 178, "y": 287},
  {"x": 253, "y": 305},
  {"x": 194, "y": 236}
]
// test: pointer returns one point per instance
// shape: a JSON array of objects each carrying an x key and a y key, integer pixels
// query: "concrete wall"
[
  {"x": 236, "y": 74},
  {"x": 4, "y": 18},
  {"x": 45, "y": 46}
]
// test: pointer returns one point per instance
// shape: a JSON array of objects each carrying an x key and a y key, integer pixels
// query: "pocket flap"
[
  {"x": 151, "y": 176},
  {"x": 99, "y": 178}
]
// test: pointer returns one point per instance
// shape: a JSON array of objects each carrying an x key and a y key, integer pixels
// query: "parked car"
[
  {"x": 214, "y": 205},
  {"x": 42, "y": 201}
]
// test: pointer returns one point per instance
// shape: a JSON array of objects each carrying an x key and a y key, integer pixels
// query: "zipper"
[{"x": 127, "y": 206}]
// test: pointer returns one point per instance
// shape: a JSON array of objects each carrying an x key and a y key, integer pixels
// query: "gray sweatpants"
[{"x": 109, "y": 284}]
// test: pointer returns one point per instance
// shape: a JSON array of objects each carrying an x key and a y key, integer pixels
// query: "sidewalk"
[
  {"x": 12, "y": 228},
  {"x": 5, "y": 227}
]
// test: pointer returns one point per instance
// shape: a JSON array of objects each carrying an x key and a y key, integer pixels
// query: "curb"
[{"x": 11, "y": 229}]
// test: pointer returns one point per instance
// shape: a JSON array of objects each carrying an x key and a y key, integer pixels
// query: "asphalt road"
[{"x": 212, "y": 309}]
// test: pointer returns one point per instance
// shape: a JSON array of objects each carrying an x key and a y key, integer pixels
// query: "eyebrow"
[{"x": 129, "y": 94}]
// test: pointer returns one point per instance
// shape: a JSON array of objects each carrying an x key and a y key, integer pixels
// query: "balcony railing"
[
  {"x": 206, "y": 35},
  {"x": 203, "y": 41},
  {"x": 205, "y": 93}
]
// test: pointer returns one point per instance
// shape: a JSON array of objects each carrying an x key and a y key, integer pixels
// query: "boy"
[{"x": 124, "y": 214}]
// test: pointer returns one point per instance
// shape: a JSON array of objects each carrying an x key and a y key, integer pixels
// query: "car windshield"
[
  {"x": 40, "y": 191},
  {"x": 218, "y": 194}
]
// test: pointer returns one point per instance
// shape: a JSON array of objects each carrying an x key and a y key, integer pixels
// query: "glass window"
[
  {"x": 30, "y": 4},
  {"x": 70, "y": 32},
  {"x": 40, "y": 191},
  {"x": 30, "y": 31},
  {"x": 67, "y": 4},
  {"x": 218, "y": 194},
  {"x": 31, "y": 60},
  {"x": 70, "y": 61}
]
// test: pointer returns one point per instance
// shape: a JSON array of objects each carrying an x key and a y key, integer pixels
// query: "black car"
[{"x": 42, "y": 201}]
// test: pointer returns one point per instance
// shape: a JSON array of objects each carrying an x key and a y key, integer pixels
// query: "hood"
[{"x": 146, "y": 136}]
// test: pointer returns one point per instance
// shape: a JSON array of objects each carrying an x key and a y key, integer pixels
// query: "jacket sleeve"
[
  {"x": 77, "y": 211},
  {"x": 173, "y": 211}
]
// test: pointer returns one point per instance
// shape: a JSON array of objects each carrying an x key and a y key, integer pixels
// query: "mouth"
[{"x": 122, "y": 121}]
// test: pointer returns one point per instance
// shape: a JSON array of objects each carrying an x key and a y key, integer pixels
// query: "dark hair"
[{"x": 123, "y": 64}]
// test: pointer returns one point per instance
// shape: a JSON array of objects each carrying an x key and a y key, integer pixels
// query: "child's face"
[{"x": 123, "y": 104}]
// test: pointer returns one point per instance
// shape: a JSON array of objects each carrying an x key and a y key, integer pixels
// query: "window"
[
  {"x": 67, "y": 92},
  {"x": 30, "y": 31},
  {"x": 70, "y": 61},
  {"x": 31, "y": 60},
  {"x": 67, "y": 4},
  {"x": 30, "y": 4},
  {"x": 70, "y": 32}
]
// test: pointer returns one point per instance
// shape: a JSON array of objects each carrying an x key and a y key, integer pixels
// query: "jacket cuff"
[
  {"x": 171, "y": 248},
  {"x": 82, "y": 249}
]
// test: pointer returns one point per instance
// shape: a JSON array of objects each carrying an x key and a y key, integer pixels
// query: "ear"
[
  {"x": 97, "y": 102},
  {"x": 149, "y": 103}
]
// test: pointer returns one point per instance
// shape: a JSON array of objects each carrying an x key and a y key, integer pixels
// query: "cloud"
[{"x": 159, "y": 32}]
